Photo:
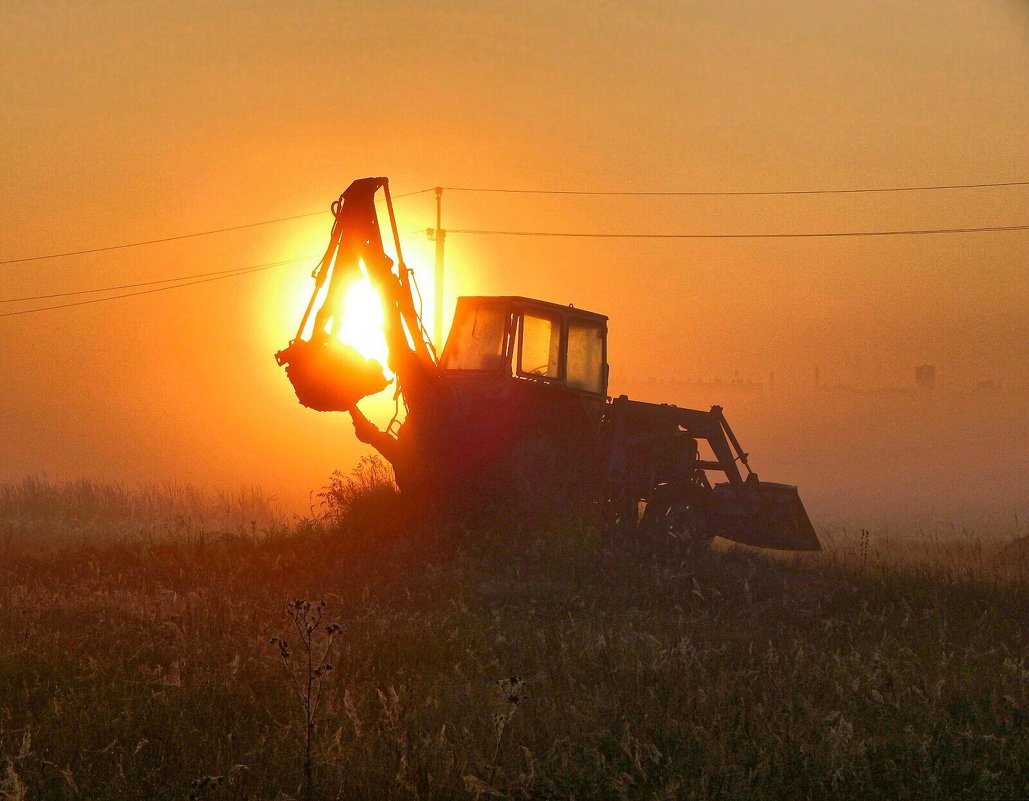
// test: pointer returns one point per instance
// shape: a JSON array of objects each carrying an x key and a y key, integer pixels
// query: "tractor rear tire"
[{"x": 681, "y": 517}]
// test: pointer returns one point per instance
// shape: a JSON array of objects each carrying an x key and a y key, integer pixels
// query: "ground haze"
[{"x": 127, "y": 124}]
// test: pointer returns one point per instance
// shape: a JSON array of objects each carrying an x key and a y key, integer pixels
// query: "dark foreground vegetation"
[{"x": 486, "y": 662}]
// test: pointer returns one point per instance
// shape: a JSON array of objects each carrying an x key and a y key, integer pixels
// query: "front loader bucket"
[{"x": 763, "y": 515}]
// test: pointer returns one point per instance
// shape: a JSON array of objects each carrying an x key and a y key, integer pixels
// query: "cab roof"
[{"x": 519, "y": 302}]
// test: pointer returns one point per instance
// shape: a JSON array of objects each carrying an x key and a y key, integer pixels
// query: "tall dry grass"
[
  {"x": 944, "y": 553},
  {"x": 47, "y": 512},
  {"x": 502, "y": 662}
]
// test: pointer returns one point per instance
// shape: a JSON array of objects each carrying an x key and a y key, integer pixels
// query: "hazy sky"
[{"x": 121, "y": 122}]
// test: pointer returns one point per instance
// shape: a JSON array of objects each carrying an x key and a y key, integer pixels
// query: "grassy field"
[{"x": 149, "y": 649}]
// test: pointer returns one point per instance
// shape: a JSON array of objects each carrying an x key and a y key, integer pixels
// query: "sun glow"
[{"x": 361, "y": 323}]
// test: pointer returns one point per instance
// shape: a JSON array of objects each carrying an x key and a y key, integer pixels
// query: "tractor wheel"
[
  {"x": 620, "y": 514},
  {"x": 678, "y": 516}
]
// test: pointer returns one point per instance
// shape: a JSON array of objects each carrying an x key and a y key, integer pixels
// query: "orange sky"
[{"x": 123, "y": 122}]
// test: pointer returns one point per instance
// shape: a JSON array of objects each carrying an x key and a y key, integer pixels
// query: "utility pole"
[{"x": 438, "y": 235}]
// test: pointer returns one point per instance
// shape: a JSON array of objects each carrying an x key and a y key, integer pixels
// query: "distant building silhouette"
[{"x": 925, "y": 377}]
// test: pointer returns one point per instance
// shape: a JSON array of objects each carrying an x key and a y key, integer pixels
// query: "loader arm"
[
  {"x": 356, "y": 240},
  {"x": 329, "y": 376},
  {"x": 654, "y": 457}
]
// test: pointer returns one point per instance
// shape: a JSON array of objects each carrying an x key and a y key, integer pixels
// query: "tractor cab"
[{"x": 531, "y": 340}]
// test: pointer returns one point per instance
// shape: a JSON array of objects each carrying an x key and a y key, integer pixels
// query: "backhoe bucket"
[
  {"x": 329, "y": 376},
  {"x": 763, "y": 515}
]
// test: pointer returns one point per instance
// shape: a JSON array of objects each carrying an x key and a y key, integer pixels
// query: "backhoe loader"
[{"x": 515, "y": 410}]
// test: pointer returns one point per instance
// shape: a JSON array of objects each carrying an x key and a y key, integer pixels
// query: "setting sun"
[{"x": 361, "y": 322}]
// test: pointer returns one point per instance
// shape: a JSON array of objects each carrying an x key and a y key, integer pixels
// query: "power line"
[
  {"x": 177, "y": 237},
  {"x": 241, "y": 271},
  {"x": 141, "y": 243},
  {"x": 244, "y": 226},
  {"x": 190, "y": 280},
  {"x": 131, "y": 286},
  {"x": 777, "y": 235},
  {"x": 203, "y": 278},
  {"x": 407, "y": 194},
  {"x": 741, "y": 193}
]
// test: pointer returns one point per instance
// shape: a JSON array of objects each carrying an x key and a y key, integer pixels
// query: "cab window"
[
  {"x": 540, "y": 345},
  {"x": 585, "y": 356},
  {"x": 477, "y": 339}
]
